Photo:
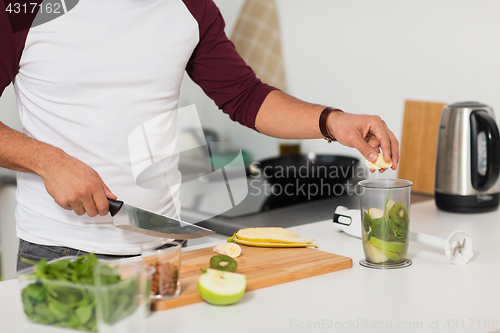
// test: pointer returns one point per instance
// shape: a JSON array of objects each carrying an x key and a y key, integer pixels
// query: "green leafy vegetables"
[
  {"x": 386, "y": 232},
  {"x": 63, "y": 293}
]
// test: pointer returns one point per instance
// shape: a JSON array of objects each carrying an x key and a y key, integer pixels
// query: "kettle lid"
[{"x": 468, "y": 105}]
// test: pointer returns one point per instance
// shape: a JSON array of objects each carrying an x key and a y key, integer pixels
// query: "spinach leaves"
[{"x": 63, "y": 293}]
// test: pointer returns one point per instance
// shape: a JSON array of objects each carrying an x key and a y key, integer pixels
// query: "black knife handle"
[{"x": 114, "y": 206}]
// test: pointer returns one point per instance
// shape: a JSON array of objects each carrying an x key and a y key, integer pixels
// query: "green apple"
[
  {"x": 389, "y": 246},
  {"x": 373, "y": 254},
  {"x": 221, "y": 288}
]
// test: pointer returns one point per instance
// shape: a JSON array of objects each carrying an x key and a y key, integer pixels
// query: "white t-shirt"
[{"x": 87, "y": 79}]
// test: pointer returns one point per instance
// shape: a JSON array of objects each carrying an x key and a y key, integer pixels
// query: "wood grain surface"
[
  {"x": 263, "y": 267},
  {"x": 418, "y": 147}
]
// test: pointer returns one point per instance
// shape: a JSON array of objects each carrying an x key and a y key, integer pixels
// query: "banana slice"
[
  {"x": 229, "y": 249},
  {"x": 380, "y": 163}
]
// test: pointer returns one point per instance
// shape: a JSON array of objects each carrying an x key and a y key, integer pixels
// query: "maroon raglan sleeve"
[
  {"x": 8, "y": 64},
  {"x": 14, "y": 29},
  {"x": 220, "y": 71}
]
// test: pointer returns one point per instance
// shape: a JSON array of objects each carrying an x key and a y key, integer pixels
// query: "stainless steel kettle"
[{"x": 468, "y": 159}]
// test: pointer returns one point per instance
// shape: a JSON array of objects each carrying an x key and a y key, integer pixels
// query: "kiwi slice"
[
  {"x": 223, "y": 263},
  {"x": 399, "y": 214}
]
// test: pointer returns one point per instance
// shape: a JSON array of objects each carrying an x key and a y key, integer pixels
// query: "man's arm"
[
  {"x": 230, "y": 82},
  {"x": 284, "y": 116},
  {"x": 73, "y": 184}
]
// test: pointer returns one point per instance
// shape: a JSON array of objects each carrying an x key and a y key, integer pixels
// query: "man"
[{"x": 85, "y": 80}]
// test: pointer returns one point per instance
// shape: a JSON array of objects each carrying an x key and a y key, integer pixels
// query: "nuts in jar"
[{"x": 165, "y": 282}]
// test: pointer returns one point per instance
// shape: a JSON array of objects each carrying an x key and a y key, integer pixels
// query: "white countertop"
[{"x": 431, "y": 295}]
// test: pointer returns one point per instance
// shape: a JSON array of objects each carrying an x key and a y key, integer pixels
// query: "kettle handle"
[{"x": 480, "y": 121}]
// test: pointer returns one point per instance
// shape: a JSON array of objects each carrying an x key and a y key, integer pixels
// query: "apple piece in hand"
[{"x": 221, "y": 288}]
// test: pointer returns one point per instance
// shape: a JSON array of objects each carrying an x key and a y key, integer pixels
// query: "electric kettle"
[{"x": 468, "y": 159}]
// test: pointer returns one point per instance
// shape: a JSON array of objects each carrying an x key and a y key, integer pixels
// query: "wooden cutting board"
[
  {"x": 418, "y": 148},
  {"x": 263, "y": 267}
]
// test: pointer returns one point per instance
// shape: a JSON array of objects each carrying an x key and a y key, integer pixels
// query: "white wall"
[
  {"x": 8, "y": 240},
  {"x": 9, "y": 116},
  {"x": 8, "y": 108},
  {"x": 370, "y": 56}
]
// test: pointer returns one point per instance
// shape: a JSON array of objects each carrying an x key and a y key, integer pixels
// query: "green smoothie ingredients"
[
  {"x": 62, "y": 293},
  {"x": 385, "y": 232}
]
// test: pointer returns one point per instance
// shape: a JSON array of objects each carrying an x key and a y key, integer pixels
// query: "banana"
[
  {"x": 229, "y": 249},
  {"x": 274, "y": 244},
  {"x": 270, "y": 237},
  {"x": 380, "y": 163}
]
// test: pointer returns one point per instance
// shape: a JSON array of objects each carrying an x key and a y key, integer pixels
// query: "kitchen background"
[{"x": 361, "y": 56}]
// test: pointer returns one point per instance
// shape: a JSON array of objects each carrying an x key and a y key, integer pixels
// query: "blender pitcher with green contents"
[{"x": 385, "y": 216}]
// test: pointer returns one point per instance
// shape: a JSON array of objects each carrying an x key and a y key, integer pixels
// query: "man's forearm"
[
  {"x": 283, "y": 116},
  {"x": 73, "y": 184},
  {"x": 19, "y": 152},
  {"x": 286, "y": 117}
]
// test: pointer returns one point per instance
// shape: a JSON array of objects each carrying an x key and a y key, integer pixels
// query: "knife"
[{"x": 139, "y": 220}]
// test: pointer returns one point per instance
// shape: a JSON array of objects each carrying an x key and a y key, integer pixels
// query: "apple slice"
[
  {"x": 373, "y": 254},
  {"x": 221, "y": 288}
]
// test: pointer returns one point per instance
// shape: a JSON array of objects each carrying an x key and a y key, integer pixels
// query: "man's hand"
[
  {"x": 283, "y": 116},
  {"x": 367, "y": 134},
  {"x": 76, "y": 186},
  {"x": 73, "y": 184}
]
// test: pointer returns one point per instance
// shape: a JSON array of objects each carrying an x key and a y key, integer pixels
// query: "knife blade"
[{"x": 139, "y": 220}]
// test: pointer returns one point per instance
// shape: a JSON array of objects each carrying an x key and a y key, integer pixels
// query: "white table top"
[{"x": 431, "y": 295}]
